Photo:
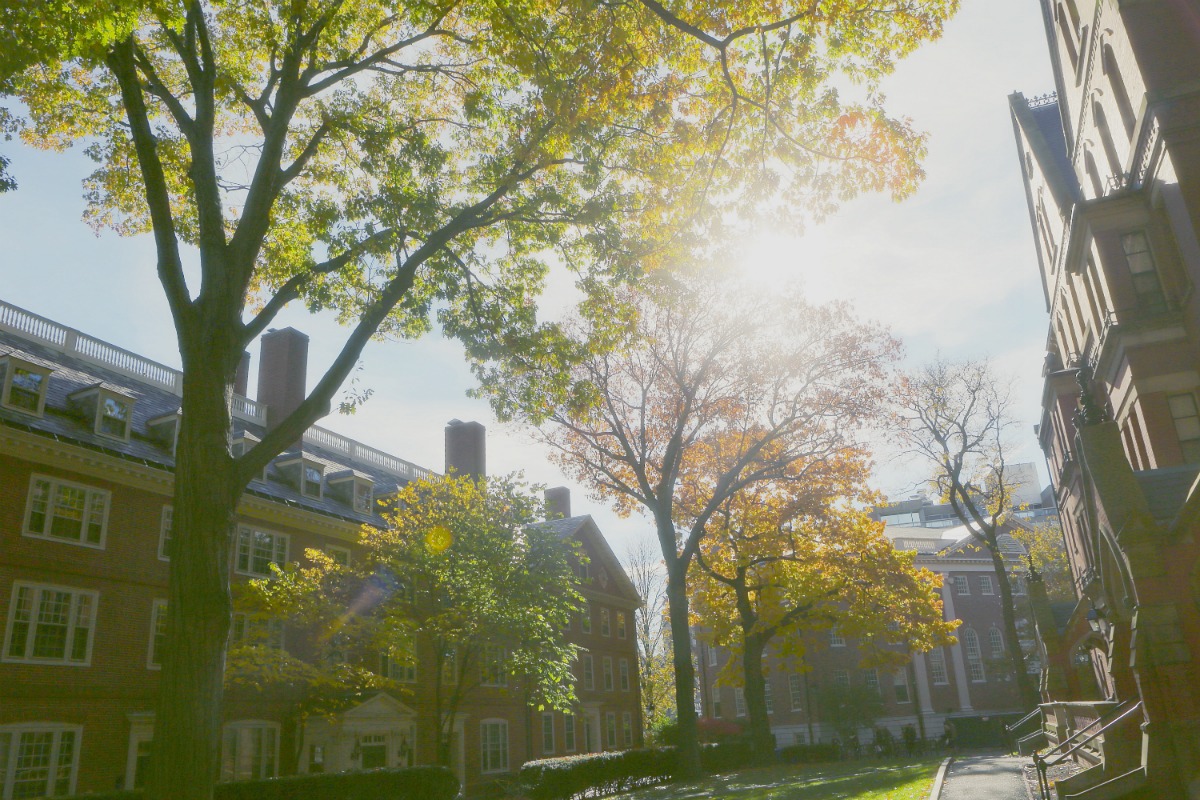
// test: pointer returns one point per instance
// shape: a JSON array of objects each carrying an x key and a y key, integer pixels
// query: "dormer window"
[
  {"x": 303, "y": 473},
  {"x": 244, "y": 442},
  {"x": 109, "y": 408},
  {"x": 24, "y": 385},
  {"x": 311, "y": 486},
  {"x": 165, "y": 430},
  {"x": 354, "y": 489}
]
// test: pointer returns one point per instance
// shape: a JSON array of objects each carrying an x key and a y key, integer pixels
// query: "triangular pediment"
[{"x": 381, "y": 706}]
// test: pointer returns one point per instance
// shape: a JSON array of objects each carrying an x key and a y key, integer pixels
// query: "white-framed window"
[
  {"x": 310, "y": 486},
  {"x": 24, "y": 387},
  {"x": 796, "y": 690},
  {"x": 1018, "y": 584},
  {"x": 937, "y": 667},
  {"x": 835, "y": 637},
  {"x": 627, "y": 729},
  {"x": 608, "y": 673},
  {"x": 620, "y": 624},
  {"x": 900, "y": 686},
  {"x": 166, "y": 523},
  {"x": 38, "y": 759},
  {"x": 569, "y": 733},
  {"x": 716, "y": 700},
  {"x": 254, "y": 630},
  {"x": 494, "y": 667},
  {"x": 841, "y": 678},
  {"x": 985, "y": 585},
  {"x": 623, "y": 674},
  {"x": 585, "y": 622},
  {"x": 605, "y": 629},
  {"x": 768, "y": 698},
  {"x": 610, "y": 730},
  {"x": 970, "y": 642},
  {"x": 113, "y": 415},
  {"x": 339, "y": 554},
  {"x": 257, "y": 550},
  {"x": 871, "y": 680},
  {"x": 50, "y": 625},
  {"x": 493, "y": 750},
  {"x": 249, "y": 750},
  {"x": 158, "y": 634},
  {"x": 449, "y": 665},
  {"x": 960, "y": 584},
  {"x": 589, "y": 674},
  {"x": 63, "y": 511},
  {"x": 547, "y": 732},
  {"x": 400, "y": 663},
  {"x": 739, "y": 701},
  {"x": 712, "y": 656},
  {"x": 996, "y": 640},
  {"x": 1187, "y": 425}
]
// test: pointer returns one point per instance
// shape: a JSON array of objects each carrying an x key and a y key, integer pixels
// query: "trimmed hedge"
[
  {"x": 414, "y": 783},
  {"x": 598, "y": 774}
]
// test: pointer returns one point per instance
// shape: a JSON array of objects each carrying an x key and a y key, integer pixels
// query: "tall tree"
[
  {"x": 956, "y": 417},
  {"x": 463, "y": 581},
  {"x": 706, "y": 362},
  {"x": 1048, "y": 554},
  {"x": 385, "y": 160},
  {"x": 785, "y": 559},
  {"x": 657, "y": 681}
]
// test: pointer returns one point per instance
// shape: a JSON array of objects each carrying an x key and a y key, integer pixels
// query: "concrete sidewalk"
[{"x": 985, "y": 775}]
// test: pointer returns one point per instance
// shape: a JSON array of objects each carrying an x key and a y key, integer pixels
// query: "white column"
[{"x": 956, "y": 654}]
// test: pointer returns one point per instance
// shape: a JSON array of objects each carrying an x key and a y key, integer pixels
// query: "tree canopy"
[
  {"x": 406, "y": 164},
  {"x": 786, "y": 563}
]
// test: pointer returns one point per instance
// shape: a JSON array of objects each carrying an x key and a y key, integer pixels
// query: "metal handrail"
[
  {"x": 1043, "y": 764},
  {"x": 1023, "y": 720}
]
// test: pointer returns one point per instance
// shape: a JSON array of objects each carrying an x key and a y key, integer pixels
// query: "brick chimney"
[
  {"x": 558, "y": 503},
  {"x": 466, "y": 448},
  {"x": 241, "y": 378},
  {"x": 282, "y": 372}
]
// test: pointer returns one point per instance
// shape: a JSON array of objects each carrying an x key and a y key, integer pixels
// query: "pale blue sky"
[{"x": 951, "y": 269}]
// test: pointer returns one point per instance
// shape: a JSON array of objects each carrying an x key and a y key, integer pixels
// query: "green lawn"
[{"x": 855, "y": 780}]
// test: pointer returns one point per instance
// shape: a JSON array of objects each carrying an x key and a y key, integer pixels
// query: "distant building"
[
  {"x": 1111, "y": 166},
  {"x": 969, "y": 683},
  {"x": 87, "y": 434}
]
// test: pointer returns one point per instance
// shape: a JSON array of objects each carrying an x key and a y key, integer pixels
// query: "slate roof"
[
  {"x": 62, "y": 422},
  {"x": 1049, "y": 121},
  {"x": 1167, "y": 489}
]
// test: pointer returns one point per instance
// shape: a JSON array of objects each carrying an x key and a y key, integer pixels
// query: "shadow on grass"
[{"x": 851, "y": 780}]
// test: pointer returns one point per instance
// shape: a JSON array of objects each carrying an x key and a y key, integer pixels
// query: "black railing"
[{"x": 1043, "y": 764}]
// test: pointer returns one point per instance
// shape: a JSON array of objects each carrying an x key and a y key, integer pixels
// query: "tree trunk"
[
  {"x": 1026, "y": 688},
  {"x": 187, "y": 729},
  {"x": 681, "y": 645},
  {"x": 761, "y": 739}
]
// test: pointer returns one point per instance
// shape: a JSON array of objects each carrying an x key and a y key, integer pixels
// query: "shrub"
[
  {"x": 809, "y": 753},
  {"x": 596, "y": 773},
  {"x": 415, "y": 783}
]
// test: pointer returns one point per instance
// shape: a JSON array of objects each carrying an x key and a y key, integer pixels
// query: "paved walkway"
[{"x": 988, "y": 775}]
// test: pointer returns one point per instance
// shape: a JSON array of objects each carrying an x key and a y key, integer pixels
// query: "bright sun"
[{"x": 809, "y": 260}]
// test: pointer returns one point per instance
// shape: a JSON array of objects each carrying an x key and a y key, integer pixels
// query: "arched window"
[
  {"x": 974, "y": 656},
  {"x": 1106, "y": 140},
  {"x": 1089, "y": 164},
  {"x": 1120, "y": 94},
  {"x": 996, "y": 640},
  {"x": 1068, "y": 34}
]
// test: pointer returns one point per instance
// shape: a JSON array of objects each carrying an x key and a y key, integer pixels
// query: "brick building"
[
  {"x": 86, "y": 438},
  {"x": 969, "y": 683},
  {"x": 1111, "y": 165}
]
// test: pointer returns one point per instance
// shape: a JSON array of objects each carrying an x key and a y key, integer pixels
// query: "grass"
[{"x": 861, "y": 780}]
